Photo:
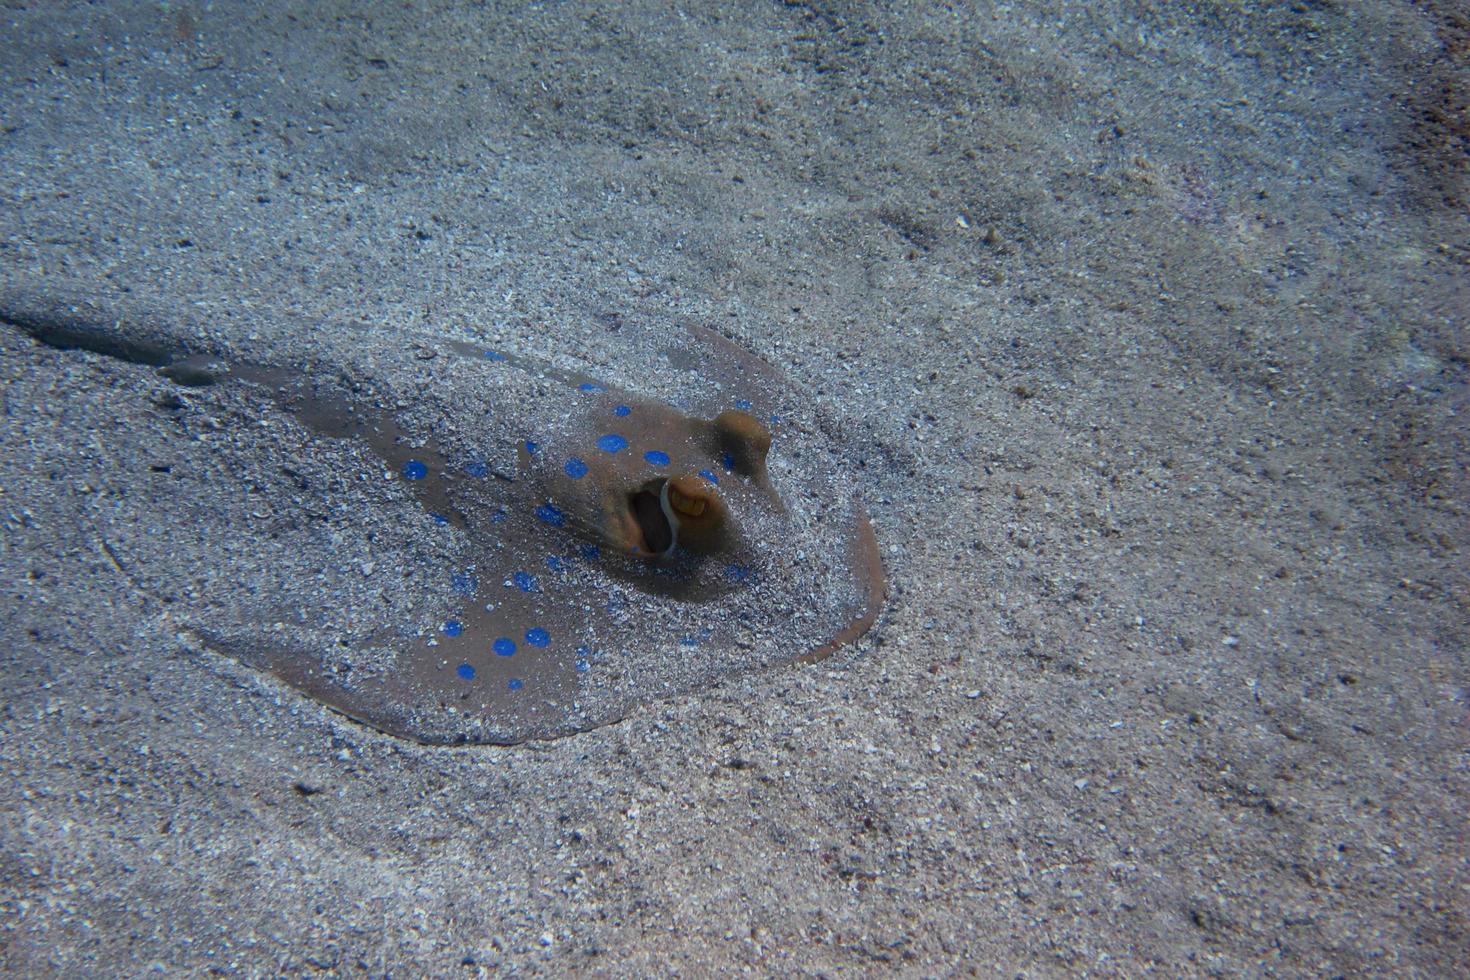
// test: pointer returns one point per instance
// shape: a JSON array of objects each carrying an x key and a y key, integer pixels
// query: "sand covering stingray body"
[{"x": 605, "y": 548}]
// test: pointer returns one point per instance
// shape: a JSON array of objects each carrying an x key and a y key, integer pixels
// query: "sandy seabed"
[{"x": 1145, "y": 334}]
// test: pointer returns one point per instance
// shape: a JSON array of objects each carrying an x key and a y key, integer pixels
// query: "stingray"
[{"x": 604, "y": 547}]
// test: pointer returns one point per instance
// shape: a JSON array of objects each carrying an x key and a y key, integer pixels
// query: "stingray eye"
[
  {"x": 698, "y": 514},
  {"x": 745, "y": 438},
  {"x": 652, "y": 523},
  {"x": 685, "y": 504},
  {"x": 693, "y": 502},
  {"x": 683, "y": 512}
]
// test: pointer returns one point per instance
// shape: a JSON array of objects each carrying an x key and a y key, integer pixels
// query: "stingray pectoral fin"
[
  {"x": 727, "y": 369},
  {"x": 303, "y": 671},
  {"x": 426, "y": 696},
  {"x": 867, "y": 569}
]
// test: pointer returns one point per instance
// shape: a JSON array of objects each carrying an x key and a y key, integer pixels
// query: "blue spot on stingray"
[
  {"x": 555, "y": 563},
  {"x": 612, "y": 443},
  {"x": 532, "y": 447},
  {"x": 414, "y": 470},
  {"x": 549, "y": 514},
  {"x": 576, "y": 469},
  {"x": 466, "y": 672},
  {"x": 515, "y": 684},
  {"x": 727, "y": 461},
  {"x": 737, "y": 573},
  {"x": 494, "y": 355},
  {"x": 524, "y": 581},
  {"x": 498, "y": 517},
  {"x": 453, "y": 628},
  {"x": 588, "y": 386},
  {"x": 476, "y": 468},
  {"x": 709, "y": 475},
  {"x": 775, "y": 419},
  {"x": 590, "y": 552},
  {"x": 438, "y": 518},
  {"x": 657, "y": 457},
  {"x": 582, "y": 662},
  {"x": 463, "y": 583},
  {"x": 621, "y": 411},
  {"x": 743, "y": 404},
  {"x": 504, "y": 647},
  {"x": 538, "y": 637}
]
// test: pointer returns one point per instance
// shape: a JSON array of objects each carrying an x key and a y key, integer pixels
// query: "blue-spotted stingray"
[{"x": 602, "y": 548}]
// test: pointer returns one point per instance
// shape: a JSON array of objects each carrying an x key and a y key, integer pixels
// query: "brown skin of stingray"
[
  {"x": 701, "y": 512},
  {"x": 423, "y": 695}
]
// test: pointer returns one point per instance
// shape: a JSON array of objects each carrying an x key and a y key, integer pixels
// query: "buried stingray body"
[{"x": 608, "y": 549}]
